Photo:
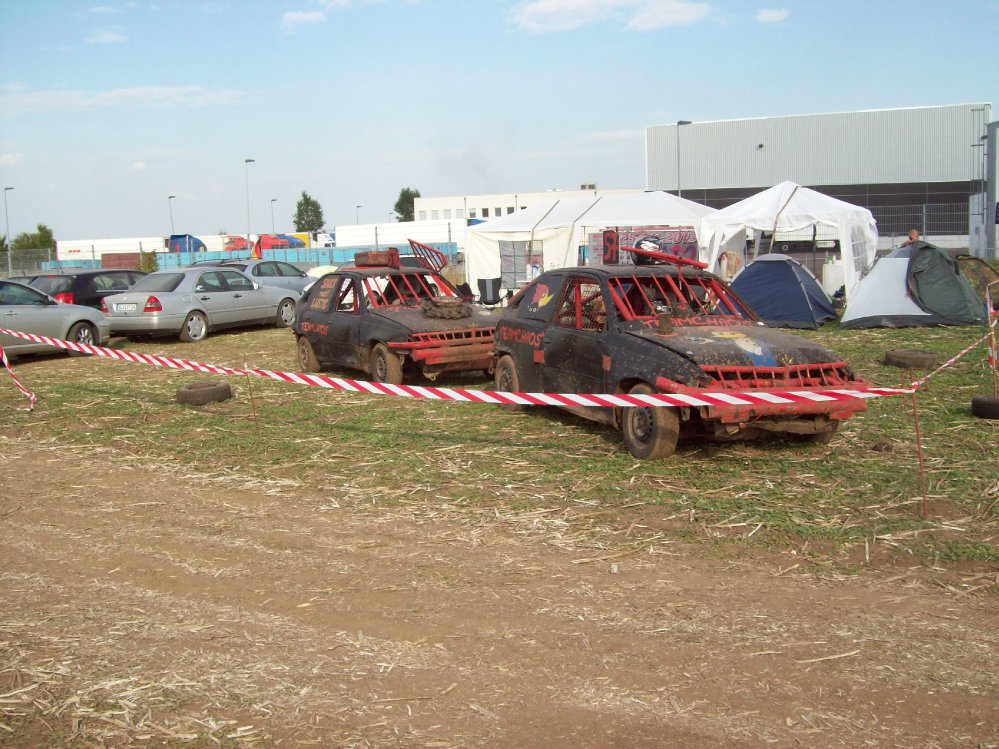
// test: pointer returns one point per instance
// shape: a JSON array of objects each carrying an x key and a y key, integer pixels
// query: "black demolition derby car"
[
  {"x": 387, "y": 319},
  {"x": 664, "y": 325}
]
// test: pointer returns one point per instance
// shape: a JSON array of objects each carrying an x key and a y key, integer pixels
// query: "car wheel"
[
  {"x": 649, "y": 432},
  {"x": 386, "y": 367},
  {"x": 985, "y": 407},
  {"x": 82, "y": 332},
  {"x": 195, "y": 328},
  {"x": 307, "y": 358},
  {"x": 200, "y": 393},
  {"x": 285, "y": 314},
  {"x": 820, "y": 438},
  {"x": 508, "y": 381}
]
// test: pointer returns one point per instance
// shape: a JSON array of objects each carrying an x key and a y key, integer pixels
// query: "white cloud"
[
  {"x": 334, "y": 3},
  {"x": 138, "y": 166},
  {"x": 544, "y": 16},
  {"x": 107, "y": 36},
  {"x": 101, "y": 9},
  {"x": 11, "y": 159},
  {"x": 293, "y": 19},
  {"x": 772, "y": 15},
  {"x": 140, "y": 97}
]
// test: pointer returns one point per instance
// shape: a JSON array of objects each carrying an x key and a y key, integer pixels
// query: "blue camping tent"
[{"x": 783, "y": 292}]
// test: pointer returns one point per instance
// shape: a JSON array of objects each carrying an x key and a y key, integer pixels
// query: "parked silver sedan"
[
  {"x": 190, "y": 303},
  {"x": 28, "y": 310},
  {"x": 268, "y": 272}
]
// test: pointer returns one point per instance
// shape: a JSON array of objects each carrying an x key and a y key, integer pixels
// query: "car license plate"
[{"x": 125, "y": 307}]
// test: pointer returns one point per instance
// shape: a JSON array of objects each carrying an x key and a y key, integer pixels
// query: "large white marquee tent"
[
  {"x": 785, "y": 208},
  {"x": 561, "y": 226}
]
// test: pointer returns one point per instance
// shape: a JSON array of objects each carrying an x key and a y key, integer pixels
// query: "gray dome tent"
[
  {"x": 783, "y": 292},
  {"x": 923, "y": 290}
]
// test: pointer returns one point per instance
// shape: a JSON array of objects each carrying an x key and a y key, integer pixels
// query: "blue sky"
[{"x": 108, "y": 107}]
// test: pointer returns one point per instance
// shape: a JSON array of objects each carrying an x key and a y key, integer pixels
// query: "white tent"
[
  {"x": 880, "y": 300},
  {"x": 786, "y": 208},
  {"x": 553, "y": 232}
]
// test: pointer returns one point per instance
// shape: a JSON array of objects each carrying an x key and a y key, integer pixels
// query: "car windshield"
[
  {"x": 405, "y": 289},
  {"x": 644, "y": 297},
  {"x": 158, "y": 282}
]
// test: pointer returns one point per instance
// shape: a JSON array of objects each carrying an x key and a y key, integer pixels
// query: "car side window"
[
  {"x": 346, "y": 297},
  {"x": 236, "y": 281},
  {"x": 582, "y": 305},
  {"x": 287, "y": 269},
  {"x": 111, "y": 282},
  {"x": 536, "y": 301},
  {"x": 267, "y": 270},
  {"x": 10, "y": 294},
  {"x": 209, "y": 282}
]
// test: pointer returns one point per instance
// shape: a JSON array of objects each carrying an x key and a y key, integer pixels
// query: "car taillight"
[
  {"x": 65, "y": 297},
  {"x": 153, "y": 305},
  {"x": 104, "y": 305}
]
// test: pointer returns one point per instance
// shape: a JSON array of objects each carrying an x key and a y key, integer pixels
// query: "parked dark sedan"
[
  {"x": 383, "y": 319},
  {"x": 664, "y": 329},
  {"x": 87, "y": 287}
]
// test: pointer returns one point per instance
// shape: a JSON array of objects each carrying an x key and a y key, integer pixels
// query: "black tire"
[
  {"x": 985, "y": 407},
  {"x": 386, "y": 367},
  {"x": 200, "y": 393},
  {"x": 446, "y": 308},
  {"x": 910, "y": 359},
  {"x": 819, "y": 438},
  {"x": 649, "y": 432},
  {"x": 285, "y": 314},
  {"x": 195, "y": 328},
  {"x": 82, "y": 332},
  {"x": 508, "y": 381},
  {"x": 307, "y": 358}
]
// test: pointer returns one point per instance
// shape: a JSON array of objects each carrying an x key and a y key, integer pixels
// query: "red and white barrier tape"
[
  {"x": 701, "y": 398},
  {"x": 32, "y": 399}
]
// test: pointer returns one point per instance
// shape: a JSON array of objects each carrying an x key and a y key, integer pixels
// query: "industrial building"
[{"x": 929, "y": 168}]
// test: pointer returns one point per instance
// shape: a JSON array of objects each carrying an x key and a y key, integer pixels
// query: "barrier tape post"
[{"x": 993, "y": 318}]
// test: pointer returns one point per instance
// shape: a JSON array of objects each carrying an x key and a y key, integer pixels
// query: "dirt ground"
[{"x": 158, "y": 608}]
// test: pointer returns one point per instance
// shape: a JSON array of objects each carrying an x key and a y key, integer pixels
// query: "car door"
[
  {"x": 215, "y": 298},
  {"x": 290, "y": 277},
  {"x": 248, "y": 304},
  {"x": 346, "y": 316},
  {"x": 28, "y": 311},
  {"x": 573, "y": 347}
]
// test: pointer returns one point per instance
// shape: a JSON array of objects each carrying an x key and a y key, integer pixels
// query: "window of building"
[
  {"x": 509, "y": 209},
  {"x": 471, "y": 213},
  {"x": 434, "y": 215},
  {"x": 447, "y": 214},
  {"x": 485, "y": 213},
  {"x": 498, "y": 212},
  {"x": 421, "y": 216},
  {"x": 459, "y": 213}
]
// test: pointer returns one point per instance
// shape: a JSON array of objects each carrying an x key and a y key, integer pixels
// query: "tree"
[
  {"x": 41, "y": 239},
  {"x": 308, "y": 214},
  {"x": 404, "y": 205}
]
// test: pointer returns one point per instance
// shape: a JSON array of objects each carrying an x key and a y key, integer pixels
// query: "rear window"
[
  {"x": 53, "y": 285},
  {"x": 158, "y": 282}
]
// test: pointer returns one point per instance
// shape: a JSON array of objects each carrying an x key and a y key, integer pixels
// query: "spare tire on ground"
[
  {"x": 985, "y": 407},
  {"x": 202, "y": 392},
  {"x": 910, "y": 359},
  {"x": 446, "y": 308}
]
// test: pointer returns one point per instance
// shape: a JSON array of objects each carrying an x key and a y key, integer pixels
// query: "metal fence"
[
  {"x": 27, "y": 262},
  {"x": 930, "y": 218}
]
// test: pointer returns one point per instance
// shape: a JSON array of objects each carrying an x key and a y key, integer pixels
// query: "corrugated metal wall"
[{"x": 924, "y": 144}]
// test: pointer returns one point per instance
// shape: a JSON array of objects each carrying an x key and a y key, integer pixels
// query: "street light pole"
[
  {"x": 170, "y": 206},
  {"x": 357, "y": 213},
  {"x": 6, "y": 217},
  {"x": 246, "y": 164},
  {"x": 679, "y": 124},
  {"x": 273, "y": 201}
]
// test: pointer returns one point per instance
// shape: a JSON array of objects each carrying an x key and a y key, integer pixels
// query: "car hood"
[
  {"x": 738, "y": 346},
  {"x": 414, "y": 319}
]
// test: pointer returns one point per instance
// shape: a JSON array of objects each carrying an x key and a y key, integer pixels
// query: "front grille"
[
  {"x": 447, "y": 336},
  {"x": 824, "y": 375}
]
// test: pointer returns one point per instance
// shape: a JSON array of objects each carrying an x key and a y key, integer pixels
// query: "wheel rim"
[
  {"x": 641, "y": 424},
  {"x": 381, "y": 366},
  {"x": 85, "y": 335},
  {"x": 196, "y": 327},
  {"x": 303, "y": 353},
  {"x": 506, "y": 379},
  {"x": 288, "y": 313}
]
